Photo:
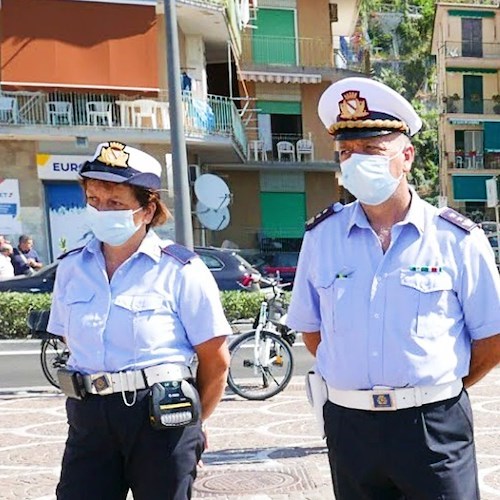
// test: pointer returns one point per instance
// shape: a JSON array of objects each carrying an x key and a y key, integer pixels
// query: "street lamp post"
[{"x": 182, "y": 200}]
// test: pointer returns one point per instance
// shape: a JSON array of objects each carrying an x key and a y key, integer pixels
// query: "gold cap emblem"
[
  {"x": 353, "y": 107},
  {"x": 114, "y": 155}
]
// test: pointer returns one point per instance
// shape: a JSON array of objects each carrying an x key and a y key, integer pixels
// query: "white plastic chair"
[
  {"x": 257, "y": 148},
  {"x": 8, "y": 105},
  {"x": 99, "y": 110},
  {"x": 57, "y": 110},
  {"x": 144, "y": 108},
  {"x": 459, "y": 162},
  {"x": 285, "y": 148},
  {"x": 304, "y": 147}
]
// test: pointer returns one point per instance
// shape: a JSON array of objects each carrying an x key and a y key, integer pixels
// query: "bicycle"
[
  {"x": 261, "y": 360},
  {"x": 54, "y": 353}
]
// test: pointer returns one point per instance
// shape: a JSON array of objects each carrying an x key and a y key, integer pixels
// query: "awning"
[
  {"x": 492, "y": 137},
  {"x": 84, "y": 44},
  {"x": 470, "y": 187},
  {"x": 279, "y": 77}
]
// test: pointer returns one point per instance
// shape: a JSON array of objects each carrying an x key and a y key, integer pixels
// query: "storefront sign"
[
  {"x": 10, "y": 207},
  {"x": 59, "y": 167}
]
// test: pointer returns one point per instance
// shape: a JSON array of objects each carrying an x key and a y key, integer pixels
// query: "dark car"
[
  {"x": 230, "y": 270},
  {"x": 282, "y": 264},
  {"x": 40, "y": 282}
]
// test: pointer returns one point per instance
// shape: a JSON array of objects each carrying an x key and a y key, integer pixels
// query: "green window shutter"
[
  {"x": 279, "y": 107},
  {"x": 492, "y": 137},
  {"x": 470, "y": 187},
  {"x": 283, "y": 215},
  {"x": 274, "y": 40},
  {"x": 456, "y": 69}
]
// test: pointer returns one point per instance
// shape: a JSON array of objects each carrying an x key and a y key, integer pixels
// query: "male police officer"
[{"x": 399, "y": 302}]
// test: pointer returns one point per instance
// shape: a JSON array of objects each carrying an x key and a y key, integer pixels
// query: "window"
[
  {"x": 211, "y": 262},
  {"x": 472, "y": 37}
]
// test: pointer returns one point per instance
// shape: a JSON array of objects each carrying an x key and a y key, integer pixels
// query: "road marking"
[{"x": 18, "y": 353}]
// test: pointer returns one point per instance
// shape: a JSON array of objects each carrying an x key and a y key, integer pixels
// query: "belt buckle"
[
  {"x": 383, "y": 400},
  {"x": 102, "y": 383}
]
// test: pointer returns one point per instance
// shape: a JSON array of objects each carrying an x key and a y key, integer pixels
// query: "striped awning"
[{"x": 279, "y": 77}]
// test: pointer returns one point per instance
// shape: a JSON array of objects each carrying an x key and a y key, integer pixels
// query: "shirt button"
[
  {"x": 375, "y": 353},
  {"x": 376, "y": 315}
]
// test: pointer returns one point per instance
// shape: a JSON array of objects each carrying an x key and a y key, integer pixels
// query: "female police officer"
[{"x": 134, "y": 312}]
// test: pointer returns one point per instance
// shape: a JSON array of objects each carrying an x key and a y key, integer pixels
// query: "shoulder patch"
[
  {"x": 458, "y": 219},
  {"x": 179, "y": 252},
  {"x": 69, "y": 252},
  {"x": 324, "y": 214}
]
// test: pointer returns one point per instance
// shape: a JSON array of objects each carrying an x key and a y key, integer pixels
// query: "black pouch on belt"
[
  {"x": 173, "y": 403},
  {"x": 71, "y": 383}
]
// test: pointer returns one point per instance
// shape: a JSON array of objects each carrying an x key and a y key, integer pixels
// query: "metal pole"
[{"x": 182, "y": 199}]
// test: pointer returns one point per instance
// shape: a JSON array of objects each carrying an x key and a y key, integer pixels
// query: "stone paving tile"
[{"x": 258, "y": 450}]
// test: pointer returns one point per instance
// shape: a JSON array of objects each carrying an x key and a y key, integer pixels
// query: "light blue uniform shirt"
[
  {"x": 153, "y": 311},
  {"x": 383, "y": 319}
]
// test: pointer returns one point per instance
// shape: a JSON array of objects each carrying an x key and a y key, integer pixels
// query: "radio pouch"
[
  {"x": 174, "y": 403},
  {"x": 71, "y": 383}
]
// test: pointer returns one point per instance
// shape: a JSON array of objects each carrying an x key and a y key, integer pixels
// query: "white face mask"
[
  {"x": 369, "y": 178},
  {"x": 113, "y": 227}
]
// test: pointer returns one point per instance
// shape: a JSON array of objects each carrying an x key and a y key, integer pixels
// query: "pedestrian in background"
[
  {"x": 134, "y": 311},
  {"x": 6, "y": 267},
  {"x": 25, "y": 258},
  {"x": 399, "y": 303}
]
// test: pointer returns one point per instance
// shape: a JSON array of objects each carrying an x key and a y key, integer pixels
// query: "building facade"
[
  {"x": 75, "y": 73},
  {"x": 467, "y": 49}
]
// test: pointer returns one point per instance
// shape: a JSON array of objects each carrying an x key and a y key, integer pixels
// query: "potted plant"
[
  {"x": 450, "y": 101},
  {"x": 496, "y": 106}
]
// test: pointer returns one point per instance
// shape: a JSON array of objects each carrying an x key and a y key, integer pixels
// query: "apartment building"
[
  {"x": 467, "y": 49},
  {"x": 74, "y": 73},
  {"x": 291, "y": 52}
]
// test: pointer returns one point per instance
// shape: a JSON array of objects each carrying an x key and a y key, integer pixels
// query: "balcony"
[
  {"x": 457, "y": 105},
  {"x": 473, "y": 160},
  {"x": 69, "y": 113},
  {"x": 268, "y": 54},
  {"x": 470, "y": 49}
]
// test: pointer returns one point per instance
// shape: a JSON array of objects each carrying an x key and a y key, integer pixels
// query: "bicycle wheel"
[
  {"x": 54, "y": 355},
  {"x": 261, "y": 373}
]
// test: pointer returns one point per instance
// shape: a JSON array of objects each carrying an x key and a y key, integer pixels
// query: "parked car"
[
  {"x": 282, "y": 264},
  {"x": 489, "y": 227},
  {"x": 230, "y": 270},
  {"x": 492, "y": 238}
]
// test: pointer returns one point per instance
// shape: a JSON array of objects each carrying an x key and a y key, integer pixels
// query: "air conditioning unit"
[{"x": 194, "y": 172}]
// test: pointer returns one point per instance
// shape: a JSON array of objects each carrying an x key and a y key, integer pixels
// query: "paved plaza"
[{"x": 257, "y": 450}]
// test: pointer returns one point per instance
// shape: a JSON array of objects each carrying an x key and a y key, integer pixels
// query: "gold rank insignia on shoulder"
[
  {"x": 457, "y": 219},
  {"x": 114, "y": 155},
  {"x": 324, "y": 214}
]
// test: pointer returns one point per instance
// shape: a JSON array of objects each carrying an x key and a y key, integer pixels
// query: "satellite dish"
[
  {"x": 212, "y": 191},
  {"x": 217, "y": 220}
]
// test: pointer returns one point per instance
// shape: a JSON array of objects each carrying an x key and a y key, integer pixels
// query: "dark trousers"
[
  {"x": 424, "y": 453},
  {"x": 112, "y": 448}
]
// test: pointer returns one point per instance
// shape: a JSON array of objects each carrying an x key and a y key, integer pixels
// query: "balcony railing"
[
  {"x": 473, "y": 160},
  {"x": 215, "y": 115},
  {"x": 472, "y": 106},
  {"x": 472, "y": 48},
  {"x": 300, "y": 52}
]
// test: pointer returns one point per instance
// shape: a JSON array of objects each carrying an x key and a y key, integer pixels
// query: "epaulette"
[
  {"x": 324, "y": 214},
  {"x": 178, "y": 252},
  {"x": 69, "y": 252},
  {"x": 458, "y": 219}
]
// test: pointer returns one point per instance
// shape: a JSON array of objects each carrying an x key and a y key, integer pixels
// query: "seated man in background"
[{"x": 25, "y": 258}]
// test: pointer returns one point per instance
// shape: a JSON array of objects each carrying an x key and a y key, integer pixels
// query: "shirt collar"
[
  {"x": 151, "y": 246},
  {"x": 415, "y": 215}
]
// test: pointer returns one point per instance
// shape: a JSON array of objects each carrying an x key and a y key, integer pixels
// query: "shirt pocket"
[
  {"x": 435, "y": 300},
  {"x": 337, "y": 296},
  {"x": 81, "y": 313},
  {"x": 146, "y": 314}
]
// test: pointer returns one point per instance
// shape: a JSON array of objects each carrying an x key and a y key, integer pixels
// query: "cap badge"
[
  {"x": 353, "y": 107},
  {"x": 114, "y": 155}
]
